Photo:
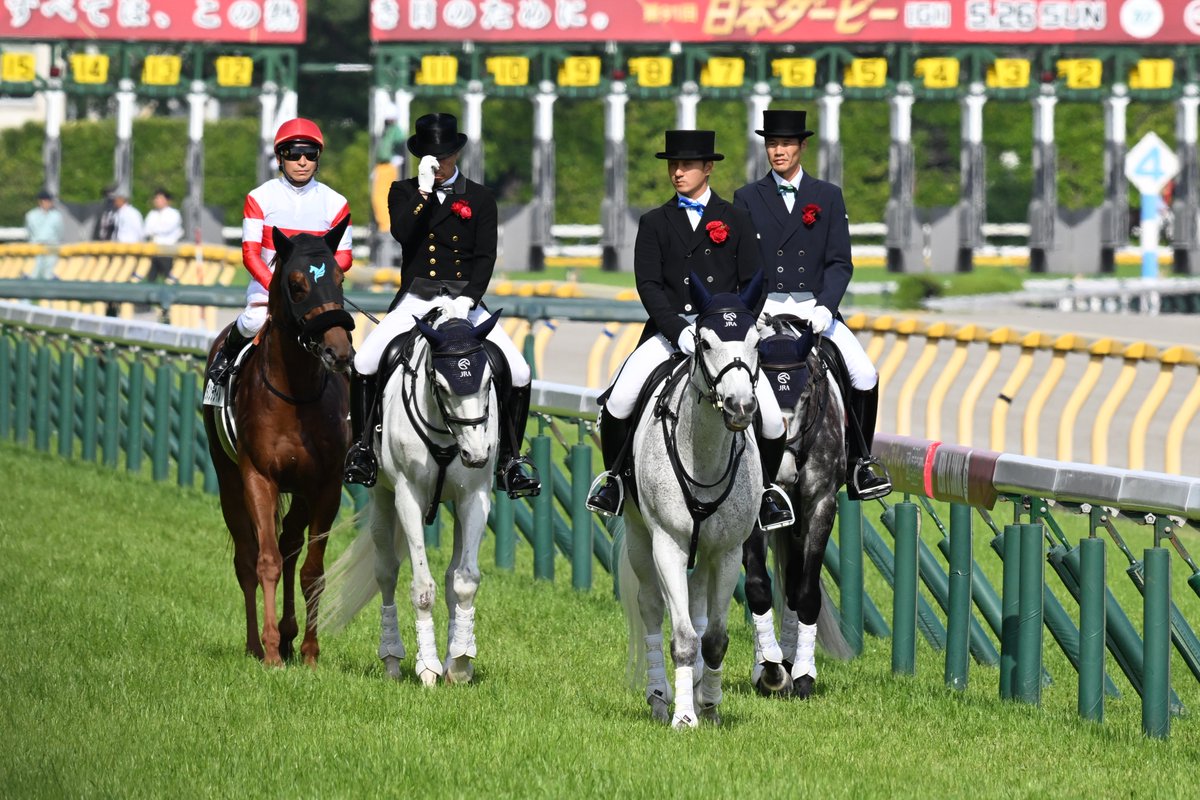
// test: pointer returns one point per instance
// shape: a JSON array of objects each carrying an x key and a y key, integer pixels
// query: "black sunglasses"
[{"x": 296, "y": 153}]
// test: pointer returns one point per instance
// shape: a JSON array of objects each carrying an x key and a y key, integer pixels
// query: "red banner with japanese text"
[
  {"x": 805, "y": 22},
  {"x": 244, "y": 21}
]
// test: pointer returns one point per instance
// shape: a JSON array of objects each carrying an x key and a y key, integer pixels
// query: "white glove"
[
  {"x": 687, "y": 340},
  {"x": 462, "y": 305},
  {"x": 820, "y": 319},
  {"x": 425, "y": 172}
]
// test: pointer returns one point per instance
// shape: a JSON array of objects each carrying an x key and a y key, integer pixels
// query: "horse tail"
[
  {"x": 628, "y": 587},
  {"x": 350, "y": 583},
  {"x": 829, "y": 629}
]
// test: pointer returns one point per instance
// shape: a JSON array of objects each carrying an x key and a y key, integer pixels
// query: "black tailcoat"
[
  {"x": 667, "y": 250},
  {"x": 797, "y": 257}
]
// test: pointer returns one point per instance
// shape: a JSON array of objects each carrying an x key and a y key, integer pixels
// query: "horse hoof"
[
  {"x": 428, "y": 677},
  {"x": 773, "y": 680},
  {"x": 392, "y": 665},
  {"x": 658, "y": 709},
  {"x": 684, "y": 721},
  {"x": 804, "y": 686},
  {"x": 459, "y": 670},
  {"x": 710, "y": 714}
]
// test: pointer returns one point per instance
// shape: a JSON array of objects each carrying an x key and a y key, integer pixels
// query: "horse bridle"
[
  {"x": 438, "y": 392},
  {"x": 712, "y": 381}
]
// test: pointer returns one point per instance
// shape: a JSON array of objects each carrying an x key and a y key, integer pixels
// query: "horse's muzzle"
[{"x": 738, "y": 416}]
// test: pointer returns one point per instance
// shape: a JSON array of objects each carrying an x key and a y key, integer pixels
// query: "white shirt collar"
[
  {"x": 312, "y": 182},
  {"x": 702, "y": 199},
  {"x": 779, "y": 179}
]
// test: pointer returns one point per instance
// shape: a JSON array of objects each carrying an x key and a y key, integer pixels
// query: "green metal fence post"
[
  {"x": 1091, "y": 628},
  {"x": 543, "y": 508},
  {"x": 134, "y": 416},
  {"x": 506, "y": 535},
  {"x": 958, "y": 616},
  {"x": 6, "y": 384},
  {"x": 66, "y": 402},
  {"x": 41, "y": 408},
  {"x": 160, "y": 461},
  {"x": 24, "y": 401},
  {"x": 433, "y": 531},
  {"x": 581, "y": 518},
  {"x": 111, "y": 436},
  {"x": 850, "y": 552},
  {"x": 89, "y": 413},
  {"x": 1156, "y": 716},
  {"x": 1009, "y": 546},
  {"x": 904, "y": 610},
  {"x": 187, "y": 427},
  {"x": 1030, "y": 613}
]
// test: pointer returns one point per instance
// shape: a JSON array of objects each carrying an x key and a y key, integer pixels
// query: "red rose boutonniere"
[
  {"x": 717, "y": 231},
  {"x": 461, "y": 208},
  {"x": 811, "y": 212}
]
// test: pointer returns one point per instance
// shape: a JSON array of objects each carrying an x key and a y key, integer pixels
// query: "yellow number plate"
[
  {"x": 509, "y": 70},
  {"x": 17, "y": 68},
  {"x": 653, "y": 72},
  {"x": 161, "y": 70},
  {"x": 866, "y": 73},
  {"x": 235, "y": 70},
  {"x": 795, "y": 72},
  {"x": 723, "y": 72},
  {"x": 437, "y": 71},
  {"x": 938, "y": 73},
  {"x": 1081, "y": 73},
  {"x": 579, "y": 71},
  {"x": 1008, "y": 73},
  {"x": 1152, "y": 73},
  {"x": 88, "y": 68}
]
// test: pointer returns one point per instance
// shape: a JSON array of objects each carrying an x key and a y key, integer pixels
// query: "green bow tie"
[{"x": 786, "y": 188}]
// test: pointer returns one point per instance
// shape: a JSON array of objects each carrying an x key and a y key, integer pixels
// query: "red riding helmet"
[{"x": 299, "y": 129}]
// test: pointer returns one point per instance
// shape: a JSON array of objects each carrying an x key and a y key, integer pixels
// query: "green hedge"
[{"x": 160, "y": 146}]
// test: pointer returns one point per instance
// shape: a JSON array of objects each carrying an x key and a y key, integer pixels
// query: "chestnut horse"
[{"x": 290, "y": 417}]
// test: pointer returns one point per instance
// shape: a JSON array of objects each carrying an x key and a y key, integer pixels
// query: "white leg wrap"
[
  {"x": 766, "y": 647},
  {"x": 788, "y": 634},
  {"x": 701, "y": 625},
  {"x": 685, "y": 708},
  {"x": 427, "y": 657},
  {"x": 389, "y": 634},
  {"x": 806, "y": 662},
  {"x": 710, "y": 688},
  {"x": 462, "y": 633},
  {"x": 656, "y": 669}
]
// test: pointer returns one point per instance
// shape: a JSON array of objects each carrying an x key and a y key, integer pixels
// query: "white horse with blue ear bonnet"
[
  {"x": 698, "y": 481},
  {"x": 440, "y": 438}
]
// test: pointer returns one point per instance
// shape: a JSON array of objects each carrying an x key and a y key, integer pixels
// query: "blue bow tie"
[
  {"x": 687, "y": 202},
  {"x": 786, "y": 188}
]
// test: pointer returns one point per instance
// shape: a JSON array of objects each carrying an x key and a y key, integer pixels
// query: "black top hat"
[
  {"x": 437, "y": 135},
  {"x": 691, "y": 146},
  {"x": 785, "y": 123}
]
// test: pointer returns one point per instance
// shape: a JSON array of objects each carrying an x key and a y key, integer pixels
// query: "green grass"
[{"x": 124, "y": 677}]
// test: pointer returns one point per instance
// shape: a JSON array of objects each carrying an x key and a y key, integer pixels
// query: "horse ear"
[
  {"x": 700, "y": 295},
  {"x": 434, "y": 336},
  {"x": 334, "y": 236},
  {"x": 283, "y": 245},
  {"x": 481, "y": 330},
  {"x": 752, "y": 291}
]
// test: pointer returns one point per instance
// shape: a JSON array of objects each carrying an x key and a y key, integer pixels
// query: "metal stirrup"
[
  {"x": 595, "y": 488},
  {"x": 787, "y": 502},
  {"x": 870, "y": 462}
]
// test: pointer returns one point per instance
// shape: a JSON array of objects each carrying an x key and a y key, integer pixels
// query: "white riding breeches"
[
  {"x": 251, "y": 320},
  {"x": 641, "y": 362},
  {"x": 400, "y": 319},
  {"x": 862, "y": 372}
]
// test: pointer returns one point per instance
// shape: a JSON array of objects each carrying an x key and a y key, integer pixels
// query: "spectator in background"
[
  {"x": 44, "y": 224},
  {"x": 128, "y": 220},
  {"x": 106, "y": 223},
  {"x": 164, "y": 227}
]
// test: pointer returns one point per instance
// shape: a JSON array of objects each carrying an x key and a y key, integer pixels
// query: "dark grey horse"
[{"x": 812, "y": 471}]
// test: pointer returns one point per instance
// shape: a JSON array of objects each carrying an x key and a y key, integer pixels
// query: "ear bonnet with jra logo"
[
  {"x": 727, "y": 317},
  {"x": 460, "y": 358},
  {"x": 783, "y": 360}
]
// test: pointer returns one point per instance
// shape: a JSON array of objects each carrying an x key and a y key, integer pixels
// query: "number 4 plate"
[{"x": 1150, "y": 164}]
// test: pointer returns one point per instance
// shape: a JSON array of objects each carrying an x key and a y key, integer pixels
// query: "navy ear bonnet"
[
  {"x": 727, "y": 316},
  {"x": 783, "y": 360},
  {"x": 459, "y": 357}
]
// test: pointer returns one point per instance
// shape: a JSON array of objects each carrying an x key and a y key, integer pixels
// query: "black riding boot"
[
  {"x": 361, "y": 465},
  {"x": 513, "y": 479},
  {"x": 776, "y": 509},
  {"x": 609, "y": 497},
  {"x": 863, "y": 482},
  {"x": 218, "y": 371}
]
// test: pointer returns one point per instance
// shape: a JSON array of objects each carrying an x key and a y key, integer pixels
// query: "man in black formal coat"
[
  {"x": 694, "y": 232},
  {"x": 447, "y": 227},
  {"x": 804, "y": 239}
]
